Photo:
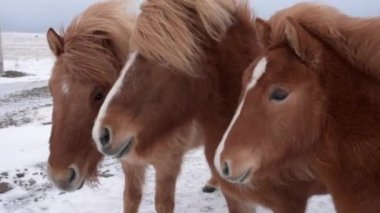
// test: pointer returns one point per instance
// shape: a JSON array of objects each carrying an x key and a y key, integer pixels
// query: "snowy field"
[{"x": 25, "y": 122}]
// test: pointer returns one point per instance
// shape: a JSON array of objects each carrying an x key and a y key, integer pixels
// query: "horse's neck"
[
  {"x": 353, "y": 117},
  {"x": 348, "y": 151},
  {"x": 367, "y": 44},
  {"x": 234, "y": 53},
  {"x": 359, "y": 43}
]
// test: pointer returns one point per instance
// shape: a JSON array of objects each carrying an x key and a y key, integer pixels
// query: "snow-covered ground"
[{"x": 25, "y": 115}]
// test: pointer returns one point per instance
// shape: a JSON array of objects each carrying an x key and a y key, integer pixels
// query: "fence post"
[{"x": 1, "y": 57}]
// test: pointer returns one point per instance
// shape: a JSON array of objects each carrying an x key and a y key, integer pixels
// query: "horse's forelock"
[
  {"x": 173, "y": 32},
  {"x": 97, "y": 42}
]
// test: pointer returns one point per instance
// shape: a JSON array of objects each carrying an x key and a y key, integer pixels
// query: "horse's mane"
[
  {"x": 355, "y": 39},
  {"x": 97, "y": 42},
  {"x": 173, "y": 32}
]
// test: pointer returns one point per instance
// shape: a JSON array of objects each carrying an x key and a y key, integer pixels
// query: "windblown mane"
[
  {"x": 173, "y": 32},
  {"x": 355, "y": 39},
  {"x": 97, "y": 42}
]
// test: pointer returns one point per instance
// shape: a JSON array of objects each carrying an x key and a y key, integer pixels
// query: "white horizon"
[{"x": 39, "y": 15}]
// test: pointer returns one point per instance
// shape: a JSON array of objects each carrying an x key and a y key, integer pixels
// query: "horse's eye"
[
  {"x": 278, "y": 95},
  {"x": 99, "y": 96}
]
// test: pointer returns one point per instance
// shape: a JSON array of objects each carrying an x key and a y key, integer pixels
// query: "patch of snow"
[
  {"x": 23, "y": 147},
  {"x": 36, "y": 70},
  {"x": 27, "y": 148}
]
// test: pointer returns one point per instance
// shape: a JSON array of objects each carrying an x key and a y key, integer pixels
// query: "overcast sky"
[{"x": 39, "y": 15}]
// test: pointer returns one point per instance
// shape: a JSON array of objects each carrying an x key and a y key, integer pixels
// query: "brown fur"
[
  {"x": 355, "y": 39},
  {"x": 97, "y": 41},
  {"x": 159, "y": 98},
  {"x": 89, "y": 57},
  {"x": 329, "y": 123},
  {"x": 174, "y": 37}
]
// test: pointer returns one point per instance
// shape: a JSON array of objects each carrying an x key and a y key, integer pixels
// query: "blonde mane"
[
  {"x": 355, "y": 39},
  {"x": 96, "y": 44},
  {"x": 172, "y": 32}
]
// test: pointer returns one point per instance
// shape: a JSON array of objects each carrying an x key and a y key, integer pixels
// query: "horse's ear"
[
  {"x": 55, "y": 41},
  {"x": 263, "y": 30},
  {"x": 302, "y": 42}
]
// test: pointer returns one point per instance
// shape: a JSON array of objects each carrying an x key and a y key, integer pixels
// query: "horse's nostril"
[
  {"x": 72, "y": 175},
  {"x": 105, "y": 137},
  {"x": 225, "y": 169}
]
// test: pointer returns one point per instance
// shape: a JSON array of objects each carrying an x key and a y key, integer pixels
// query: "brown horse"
[
  {"x": 89, "y": 57},
  {"x": 315, "y": 95},
  {"x": 185, "y": 76}
]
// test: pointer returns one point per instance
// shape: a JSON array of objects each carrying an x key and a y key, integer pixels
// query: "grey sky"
[{"x": 39, "y": 15}]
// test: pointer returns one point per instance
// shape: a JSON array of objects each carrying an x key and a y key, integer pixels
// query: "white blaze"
[
  {"x": 114, "y": 90},
  {"x": 256, "y": 74}
]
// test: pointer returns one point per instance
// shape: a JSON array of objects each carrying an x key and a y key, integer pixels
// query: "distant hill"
[{"x": 21, "y": 46}]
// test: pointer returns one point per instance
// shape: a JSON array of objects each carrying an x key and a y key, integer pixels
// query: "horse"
[
  {"x": 90, "y": 55},
  {"x": 314, "y": 92},
  {"x": 185, "y": 73}
]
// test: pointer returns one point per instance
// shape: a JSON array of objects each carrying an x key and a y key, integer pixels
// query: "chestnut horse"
[
  {"x": 315, "y": 94},
  {"x": 186, "y": 77},
  {"x": 90, "y": 55}
]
